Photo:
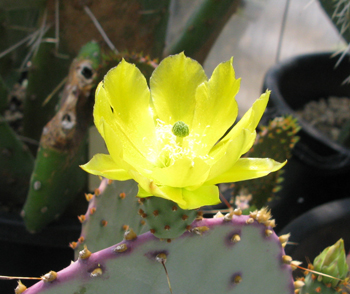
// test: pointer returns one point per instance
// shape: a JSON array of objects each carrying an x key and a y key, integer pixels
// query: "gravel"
[{"x": 327, "y": 115}]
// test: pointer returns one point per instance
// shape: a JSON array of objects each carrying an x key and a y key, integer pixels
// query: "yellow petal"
[
  {"x": 148, "y": 188},
  {"x": 231, "y": 154},
  {"x": 246, "y": 169},
  {"x": 142, "y": 193},
  {"x": 173, "y": 194},
  {"x": 216, "y": 108},
  {"x": 102, "y": 108},
  {"x": 251, "y": 118},
  {"x": 128, "y": 107},
  {"x": 249, "y": 121},
  {"x": 120, "y": 147},
  {"x": 184, "y": 172},
  {"x": 205, "y": 195},
  {"x": 188, "y": 199},
  {"x": 173, "y": 87},
  {"x": 103, "y": 165}
]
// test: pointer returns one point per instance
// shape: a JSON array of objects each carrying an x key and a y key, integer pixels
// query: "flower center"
[
  {"x": 180, "y": 129},
  {"x": 175, "y": 142}
]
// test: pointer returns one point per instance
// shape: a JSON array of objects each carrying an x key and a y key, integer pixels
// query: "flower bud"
[{"x": 332, "y": 261}]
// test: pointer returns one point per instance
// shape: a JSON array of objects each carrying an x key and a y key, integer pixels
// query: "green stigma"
[{"x": 180, "y": 129}]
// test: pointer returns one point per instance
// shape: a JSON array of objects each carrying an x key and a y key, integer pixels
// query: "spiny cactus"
[
  {"x": 56, "y": 178},
  {"x": 112, "y": 211},
  {"x": 231, "y": 254},
  {"x": 276, "y": 140},
  {"x": 333, "y": 269},
  {"x": 339, "y": 12}
]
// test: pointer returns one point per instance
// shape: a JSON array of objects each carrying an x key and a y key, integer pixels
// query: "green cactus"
[
  {"x": 16, "y": 166},
  {"x": 276, "y": 140},
  {"x": 56, "y": 178},
  {"x": 46, "y": 73},
  {"x": 332, "y": 261},
  {"x": 112, "y": 210},
  {"x": 232, "y": 254},
  {"x": 332, "y": 264}
]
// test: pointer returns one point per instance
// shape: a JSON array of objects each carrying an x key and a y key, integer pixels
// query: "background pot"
[
  {"x": 319, "y": 170},
  {"x": 317, "y": 229}
]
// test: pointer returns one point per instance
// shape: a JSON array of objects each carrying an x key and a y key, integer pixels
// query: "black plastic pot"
[
  {"x": 319, "y": 170},
  {"x": 317, "y": 229},
  {"x": 32, "y": 255}
]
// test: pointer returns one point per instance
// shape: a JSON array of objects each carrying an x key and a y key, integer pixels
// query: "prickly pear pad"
[
  {"x": 216, "y": 256},
  {"x": 112, "y": 210},
  {"x": 165, "y": 218}
]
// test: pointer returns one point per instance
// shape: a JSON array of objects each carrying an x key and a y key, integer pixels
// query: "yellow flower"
[{"x": 166, "y": 138}]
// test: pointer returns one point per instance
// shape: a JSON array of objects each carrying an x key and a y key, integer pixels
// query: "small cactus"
[{"x": 333, "y": 269}]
